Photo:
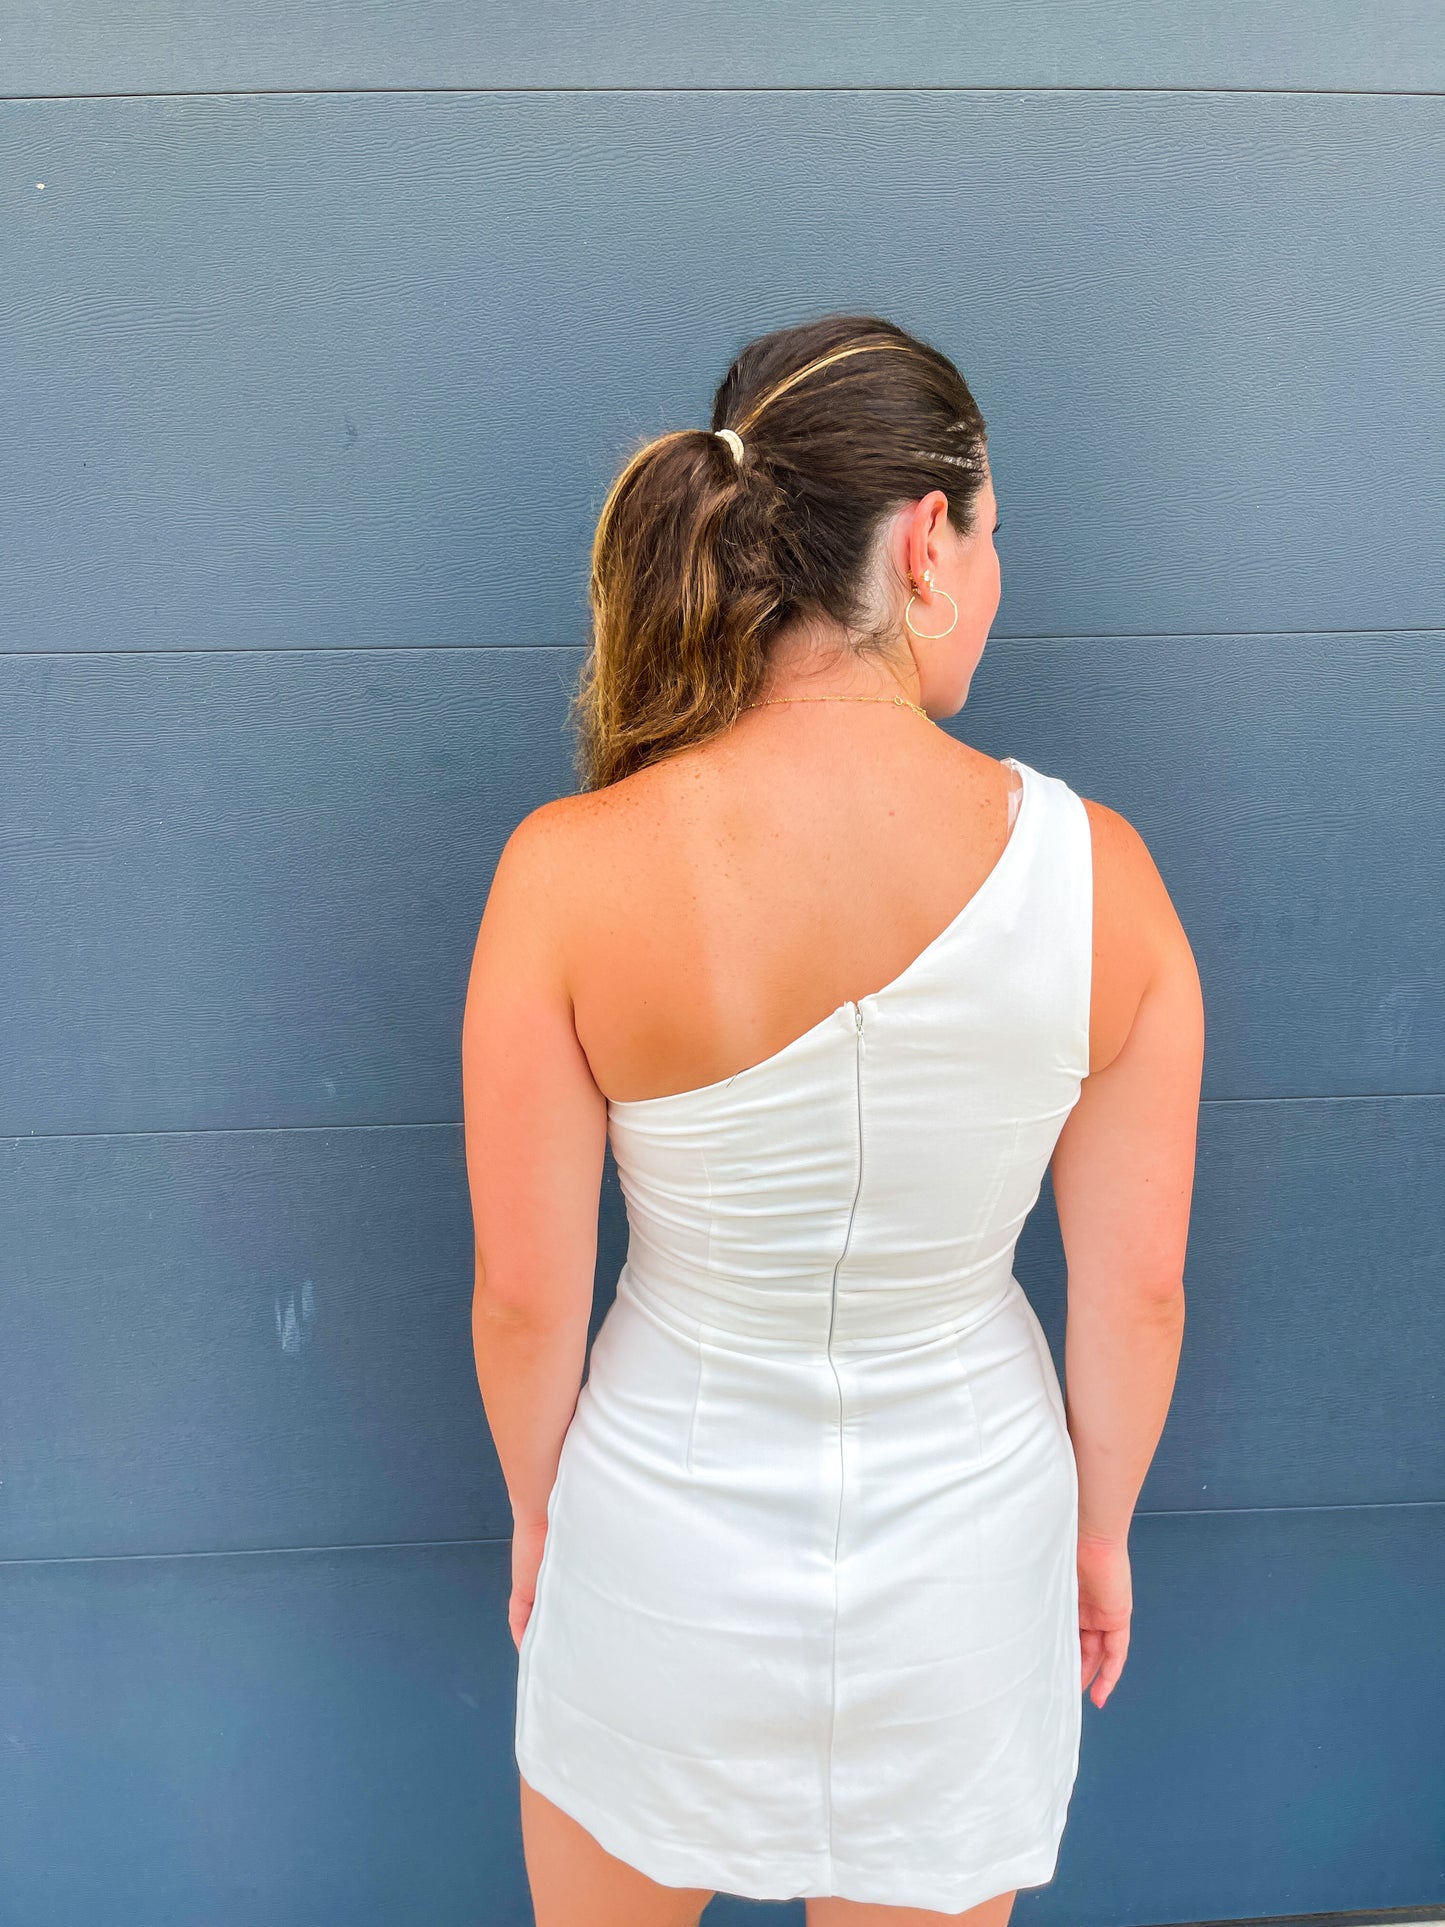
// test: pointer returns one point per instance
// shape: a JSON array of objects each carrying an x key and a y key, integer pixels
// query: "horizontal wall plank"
[
  {"x": 227, "y": 1341},
  {"x": 1273, "y": 1745},
  {"x": 252, "y": 882},
  {"x": 328, "y": 1736},
  {"x": 319, "y": 1737},
  {"x": 172, "y": 47},
  {"x": 343, "y": 371},
  {"x": 1288, "y": 789},
  {"x": 296, "y": 375},
  {"x": 1314, "y": 1322}
]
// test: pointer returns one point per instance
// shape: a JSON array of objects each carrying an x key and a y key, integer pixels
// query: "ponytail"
[{"x": 701, "y": 553}]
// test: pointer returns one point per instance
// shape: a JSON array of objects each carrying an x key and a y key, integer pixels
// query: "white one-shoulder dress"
[{"x": 806, "y": 1621}]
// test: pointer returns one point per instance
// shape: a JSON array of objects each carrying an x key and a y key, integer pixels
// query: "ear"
[{"x": 923, "y": 533}]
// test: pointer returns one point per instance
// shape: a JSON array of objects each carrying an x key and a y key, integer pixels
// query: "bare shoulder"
[
  {"x": 555, "y": 862},
  {"x": 550, "y": 838},
  {"x": 519, "y": 1039},
  {"x": 1140, "y": 944},
  {"x": 1123, "y": 1167},
  {"x": 535, "y": 1122},
  {"x": 529, "y": 868},
  {"x": 530, "y": 884},
  {"x": 1127, "y": 881},
  {"x": 566, "y": 838}
]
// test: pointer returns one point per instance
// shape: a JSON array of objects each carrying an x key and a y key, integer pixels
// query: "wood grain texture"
[
  {"x": 310, "y": 399},
  {"x": 172, "y": 46},
  {"x": 250, "y": 882},
  {"x": 349, "y": 371},
  {"x": 297, "y": 1739},
  {"x": 326, "y": 1736},
  {"x": 250, "y": 1340}
]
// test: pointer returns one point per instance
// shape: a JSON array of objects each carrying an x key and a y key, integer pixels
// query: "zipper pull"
[{"x": 858, "y": 1016}]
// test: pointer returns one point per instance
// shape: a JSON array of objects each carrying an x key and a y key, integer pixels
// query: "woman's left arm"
[{"x": 536, "y": 1134}]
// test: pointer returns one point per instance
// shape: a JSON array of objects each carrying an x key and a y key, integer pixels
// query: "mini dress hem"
[{"x": 703, "y": 1868}]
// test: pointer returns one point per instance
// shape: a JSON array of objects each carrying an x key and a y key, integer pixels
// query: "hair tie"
[{"x": 734, "y": 442}]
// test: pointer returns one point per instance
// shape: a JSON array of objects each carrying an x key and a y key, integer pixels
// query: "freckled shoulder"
[
  {"x": 565, "y": 859},
  {"x": 591, "y": 827}
]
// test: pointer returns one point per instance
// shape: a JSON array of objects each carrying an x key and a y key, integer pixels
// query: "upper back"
[
  {"x": 823, "y": 998},
  {"x": 726, "y": 900}
]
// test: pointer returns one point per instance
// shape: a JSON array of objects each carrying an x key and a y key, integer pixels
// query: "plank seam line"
[
  {"x": 22, "y": 654},
  {"x": 447, "y": 1124},
  {"x": 803, "y": 89},
  {"x": 423, "y": 1545}
]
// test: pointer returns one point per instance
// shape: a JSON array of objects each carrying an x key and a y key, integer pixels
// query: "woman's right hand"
[
  {"x": 529, "y": 1537},
  {"x": 1106, "y": 1603}
]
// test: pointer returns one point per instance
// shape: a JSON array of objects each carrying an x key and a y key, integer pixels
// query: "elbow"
[
  {"x": 509, "y": 1306},
  {"x": 1164, "y": 1296},
  {"x": 1161, "y": 1292},
  {"x": 529, "y": 1290},
  {"x": 495, "y": 1299},
  {"x": 514, "y": 1304}
]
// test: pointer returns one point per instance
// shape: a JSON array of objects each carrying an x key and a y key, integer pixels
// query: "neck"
[{"x": 814, "y": 663}]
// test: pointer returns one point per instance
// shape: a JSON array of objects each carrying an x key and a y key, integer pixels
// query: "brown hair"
[{"x": 699, "y": 559}]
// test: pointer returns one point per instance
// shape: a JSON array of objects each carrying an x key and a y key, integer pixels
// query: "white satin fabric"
[{"x": 807, "y": 1615}]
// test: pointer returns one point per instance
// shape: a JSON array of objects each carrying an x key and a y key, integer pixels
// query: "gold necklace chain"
[{"x": 902, "y": 702}]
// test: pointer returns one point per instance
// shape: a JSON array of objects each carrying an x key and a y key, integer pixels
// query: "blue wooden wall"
[{"x": 322, "y": 329}]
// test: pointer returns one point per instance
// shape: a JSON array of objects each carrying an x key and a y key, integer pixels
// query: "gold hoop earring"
[{"x": 922, "y": 634}]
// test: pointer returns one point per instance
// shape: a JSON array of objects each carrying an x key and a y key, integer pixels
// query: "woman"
[{"x": 810, "y": 1575}]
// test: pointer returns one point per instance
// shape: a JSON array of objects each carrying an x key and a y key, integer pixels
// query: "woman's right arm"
[{"x": 1123, "y": 1176}]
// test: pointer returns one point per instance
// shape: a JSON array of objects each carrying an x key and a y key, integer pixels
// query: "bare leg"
[
  {"x": 857, "y": 1913},
  {"x": 576, "y": 1883}
]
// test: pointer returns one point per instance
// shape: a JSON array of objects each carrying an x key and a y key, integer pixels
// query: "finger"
[
  {"x": 518, "y": 1613},
  {"x": 1091, "y": 1652},
  {"x": 1116, "y": 1647}
]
